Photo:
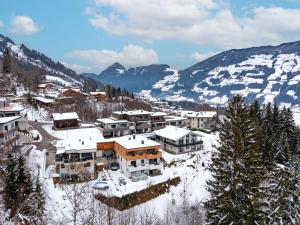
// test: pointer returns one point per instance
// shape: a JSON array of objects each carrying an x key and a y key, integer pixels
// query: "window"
[
  {"x": 6, "y": 128},
  {"x": 143, "y": 161},
  {"x": 133, "y": 163},
  {"x": 72, "y": 167},
  {"x": 87, "y": 164},
  {"x": 62, "y": 166}
]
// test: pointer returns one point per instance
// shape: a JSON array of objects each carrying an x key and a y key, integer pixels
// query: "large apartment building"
[
  {"x": 178, "y": 140},
  {"x": 136, "y": 156}
]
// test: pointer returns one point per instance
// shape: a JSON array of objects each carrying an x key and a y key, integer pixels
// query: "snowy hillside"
[
  {"x": 27, "y": 58},
  {"x": 267, "y": 73}
]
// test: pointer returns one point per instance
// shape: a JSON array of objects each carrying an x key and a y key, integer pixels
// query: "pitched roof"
[
  {"x": 65, "y": 116},
  {"x": 8, "y": 119}
]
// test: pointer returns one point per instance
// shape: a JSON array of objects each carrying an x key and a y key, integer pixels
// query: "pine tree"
[
  {"x": 283, "y": 195},
  {"x": 10, "y": 185},
  {"x": 237, "y": 196},
  {"x": 25, "y": 186},
  {"x": 6, "y": 67}
]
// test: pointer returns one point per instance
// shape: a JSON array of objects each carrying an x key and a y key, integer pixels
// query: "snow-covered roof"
[
  {"x": 201, "y": 114},
  {"x": 65, "y": 116},
  {"x": 11, "y": 108},
  {"x": 172, "y": 133},
  {"x": 42, "y": 85},
  {"x": 135, "y": 112},
  {"x": 8, "y": 119},
  {"x": 44, "y": 100},
  {"x": 158, "y": 114},
  {"x": 97, "y": 93},
  {"x": 111, "y": 121},
  {"x": 135, "y": 141},
  {"x": 174, "y": 118}
]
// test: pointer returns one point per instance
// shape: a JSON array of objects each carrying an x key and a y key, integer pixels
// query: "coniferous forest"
[{"x": 255, "y": 169}]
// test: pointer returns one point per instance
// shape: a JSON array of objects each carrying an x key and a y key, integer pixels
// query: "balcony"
[
  {"x": 74, "y": 160},
  {"x": 183, "y": 144}
]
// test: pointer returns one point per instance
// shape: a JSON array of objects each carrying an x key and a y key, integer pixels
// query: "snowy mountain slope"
[
  {"x": 27, "y": 58},
  {"x": 266, "y": 73}
]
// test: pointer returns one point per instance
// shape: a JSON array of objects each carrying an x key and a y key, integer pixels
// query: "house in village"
[
  {"x": 75, "y": 159},
  {"x": 65, "y": 120},
  {"x": 45, "y": 87},
  {"x": 43, "y": 102},
  {"x": 8, "y": 109},
  {"x": 176, "y": 121},
  {"x": 8, "y": 127},
  {"x": 136, "y": 156},
  {"x": 141, "y": 118},
  {"x": 73, "y": 93},
  {"x": 157, "y": 120},
  {"x": 201, "y": 120},
  {"x": 112, "y": 127},
  {"x": 178, "y": 140},
  {"x": 99, "y": 96}
]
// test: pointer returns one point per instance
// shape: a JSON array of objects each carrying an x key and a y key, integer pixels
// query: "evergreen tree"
[
  {"x": 10, "y": 185},
  {"x": 6, "y": 67},
  {"x": 237, "y": 196}
]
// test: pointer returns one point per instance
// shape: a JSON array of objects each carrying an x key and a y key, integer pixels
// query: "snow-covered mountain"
[
  {"x": 27, "y": 58},
  {"x": 267, "y": 73}
]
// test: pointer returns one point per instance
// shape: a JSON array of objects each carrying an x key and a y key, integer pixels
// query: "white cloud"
[
  {"x": 1, "y": 23},
  {"x": 77, "y": 68},
  {"x": 198, "y": 56},
  {"x": 204, "y": 22},
  {"x": 23, "y": 25},
  {"x": 131, "y": 55}
]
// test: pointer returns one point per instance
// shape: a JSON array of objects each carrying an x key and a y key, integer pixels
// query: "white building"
[
  {"x": 200, "y": 120},
  {"x": 8, "y": 127},
  {"x": 75, "y": 159},
  {"x": 176, "y": 121},
  {"x": 178, "y": 140}
]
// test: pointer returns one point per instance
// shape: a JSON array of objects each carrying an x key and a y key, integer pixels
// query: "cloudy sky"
[{"x": 89, "y": 35}]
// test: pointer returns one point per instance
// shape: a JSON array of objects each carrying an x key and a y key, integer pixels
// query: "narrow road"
[{"x": 46, "y": 138}]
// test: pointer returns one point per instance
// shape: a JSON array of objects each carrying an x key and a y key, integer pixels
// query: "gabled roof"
[
  {"x": 172, "y": 132},
  {"x": 65, "y": 116},
  {"x": 135, "y": 141},
  {"x": 44, "y": 100}
]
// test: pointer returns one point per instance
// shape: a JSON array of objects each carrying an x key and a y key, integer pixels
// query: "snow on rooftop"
[
  {"x": 201, "y": 114},
  {"x": 8, "y": 119},
  {"x": 174, "y": 118},
  {"x": 111, "y": 121},
  {"x": 44, "y": 100},
  {"x": 134, "y": 112},
  {"x": 172, "y": 132},
  {"x": 135, "y": 141},
  {"x": 158, "y": 114},
  {"x": 97, "y": 93},
  {"x": 65, "y": 116}
]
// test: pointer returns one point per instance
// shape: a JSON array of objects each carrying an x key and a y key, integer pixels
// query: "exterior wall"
[
  {"x": 81, "y": 167},
  {"x": 200, "y": 123},
  {"x": 100, "y": 97},
  {"x": 8, "y": 135},
  {"x": 62, "y": 124}
]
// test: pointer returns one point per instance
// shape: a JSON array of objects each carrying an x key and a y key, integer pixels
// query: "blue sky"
[{"x": 89, "y": 35}]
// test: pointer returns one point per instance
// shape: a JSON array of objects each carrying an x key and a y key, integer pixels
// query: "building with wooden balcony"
[
  {"x": 111, "y": 127},
  {"x": 178, "y": 140},
  {"x": 8, "y": 128},
  {"x": 99, "y": 96},
  {"x": 73, "y": 93},
  {"x": 137, "y": 156}
]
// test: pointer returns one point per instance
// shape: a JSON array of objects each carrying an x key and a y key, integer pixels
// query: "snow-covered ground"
[{"x": 191, "y": 168}]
